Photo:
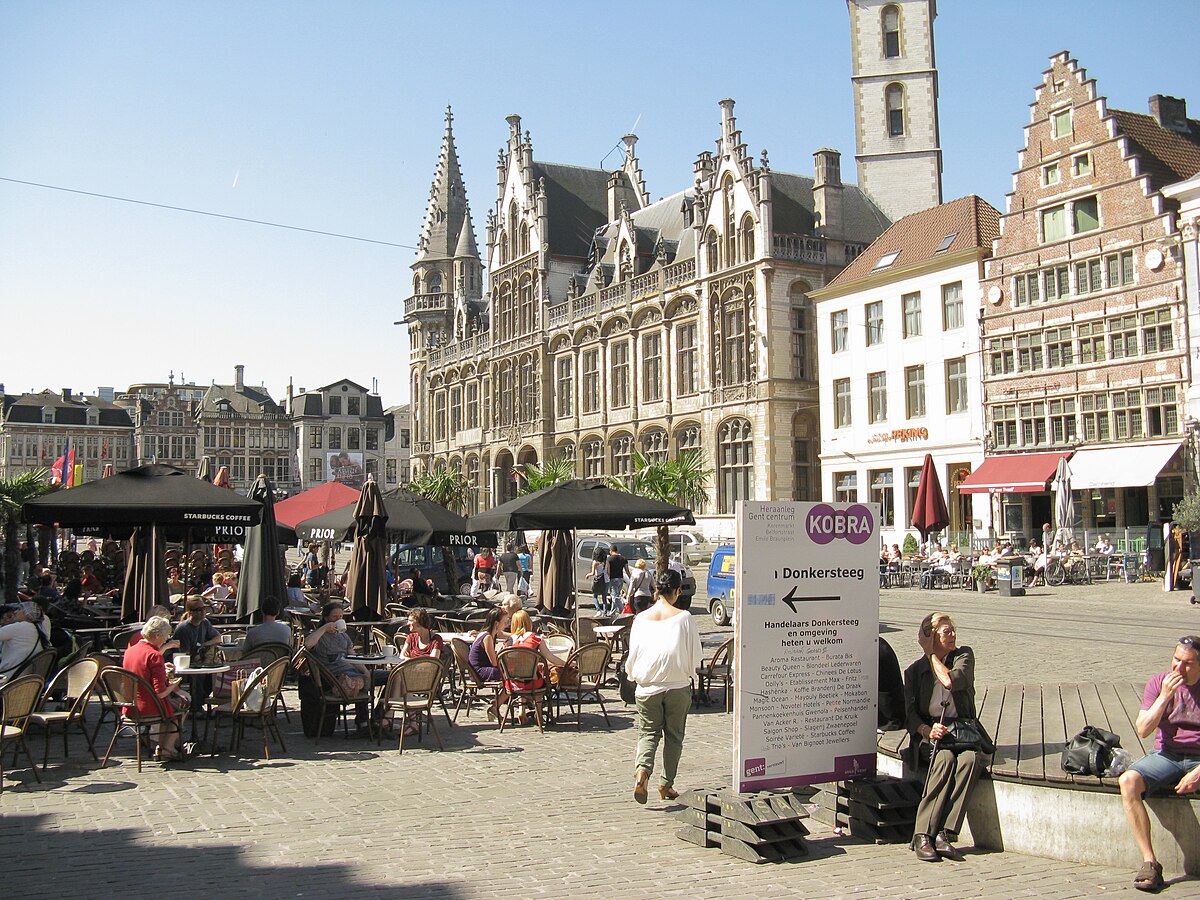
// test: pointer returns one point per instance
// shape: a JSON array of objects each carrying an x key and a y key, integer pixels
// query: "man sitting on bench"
[{"x": 1171, "y": 704}]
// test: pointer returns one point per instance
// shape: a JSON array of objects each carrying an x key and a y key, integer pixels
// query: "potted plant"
[
  {"x": 982, "y": 576},
  {"x": 911, "y": 547}
]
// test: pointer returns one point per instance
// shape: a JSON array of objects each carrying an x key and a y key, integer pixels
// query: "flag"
[
  {"x": 63, "y": 471},
  {"x": 104, "y": 449}
]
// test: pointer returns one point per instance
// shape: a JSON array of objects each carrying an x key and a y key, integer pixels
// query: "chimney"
[
  {"x": 239, "y": 373},
  {"x": 1170, "y": 113},
  {"x": 66, "y": 393},
  {"x": 827, "y": 191},
  {"x": 620, "y": 192}
]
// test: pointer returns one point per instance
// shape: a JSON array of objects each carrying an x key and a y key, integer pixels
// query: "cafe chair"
[
  {"x": 412, "y": 689},
  {"x": 122, "y": 687},
  {"x": 41, "y": 663},
  {"x": 330, "y": 689},
  {"x": 380, "y": 640},
  {"x": 18, "y": 699},
  {"x": 717, "y": 669},
  {"x": 591, "y": 663},
  {"x": 471, "y": 684},
  {"x": 120, "y": 640},
  {"x": 522, "y": 671},
  {"x": 77, "y": 680},
  {"x": 261, "y": 713}
]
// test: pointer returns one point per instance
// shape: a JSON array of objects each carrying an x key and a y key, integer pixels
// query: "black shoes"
[
  {"x": 924, "y": 848},
  {"x": 942, "y": 845}
]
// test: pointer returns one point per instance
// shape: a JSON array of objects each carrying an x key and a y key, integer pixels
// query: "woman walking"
[{"x": 664, "y": 650}]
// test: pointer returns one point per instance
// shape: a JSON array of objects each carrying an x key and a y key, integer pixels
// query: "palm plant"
[
  {"x": 682, "y": 481},
  {"x": 15, "y": 492},
  {"x": 541, "y": 475},
  {"x": 453, "y": 491}
]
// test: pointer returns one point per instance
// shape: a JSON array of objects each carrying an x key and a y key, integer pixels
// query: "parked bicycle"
[{"x": 1072, "y": 569}]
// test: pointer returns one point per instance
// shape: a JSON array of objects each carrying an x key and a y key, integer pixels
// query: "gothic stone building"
[
  {"x": 613, "y": 323},
  {"x": 1085, "y": 326}
]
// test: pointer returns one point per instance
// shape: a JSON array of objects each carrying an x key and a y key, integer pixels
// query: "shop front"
[{"x": 1019, "y": 487}]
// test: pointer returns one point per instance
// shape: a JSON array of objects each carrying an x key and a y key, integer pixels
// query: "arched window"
[
  {"x": 654, "y": 444},
  {"x": 525, "y": 315},
  {"x": 735, "y": 464},
  {"x": 593, "y": 459},
  {"x": 894, "y": 100},
  {"x": 566, "y": 450},
  {"x": 503, "y": 248},
  {"x": 747, "y": 236},
  {"x": 435, "y": 283},
  {"x": 512, "y": 226},
  {"x": 416, "y": 283},
  {"x": 733, "y": 356},
  {"x": 504, "y": 312},
  {"x": 687, "y": 438},
  {"x": 891, "y": 31},
  {"x": 710, "y": 246},
  {"x": 473, "y": 481},
  {"x": 524, "y": 239},
  {"x": 730, "y": 227},
  {"x": 622, "y": 456},
  {"x": 805, "y": 472}
]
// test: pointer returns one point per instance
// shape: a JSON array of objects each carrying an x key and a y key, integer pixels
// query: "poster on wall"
[
  {"x": 344, "y": 466},
  {"x": 807, "y": 642}
]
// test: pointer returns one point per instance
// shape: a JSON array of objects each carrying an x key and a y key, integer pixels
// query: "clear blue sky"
[{"x": 329, "y": 116}]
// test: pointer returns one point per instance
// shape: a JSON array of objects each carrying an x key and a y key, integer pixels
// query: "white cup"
[
  {"x": 182, "y": 660},
  {"x": 340, "y": 625}
]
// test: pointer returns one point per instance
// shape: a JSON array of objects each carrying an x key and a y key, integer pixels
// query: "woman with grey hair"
[
  {"x": 20, "y": 637},
  {"x": 145, "y": 659}
]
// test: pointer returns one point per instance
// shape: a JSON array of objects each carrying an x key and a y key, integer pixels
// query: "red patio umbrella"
[{"x": 929, "y": 510}]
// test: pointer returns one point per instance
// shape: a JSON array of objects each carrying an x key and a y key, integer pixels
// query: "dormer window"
[
  {"x": 48, "y": 415},
  {"x": 946, "y": 242},
  {"x": 886, "y": 260}
]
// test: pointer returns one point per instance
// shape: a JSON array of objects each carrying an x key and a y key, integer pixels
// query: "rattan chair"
[
  {"x": 333, "y": 694},
  {"x": 380, "y": 640},
  {"x": 262, "y": 713},
  {"x": 40, "y": 663},
  {"x": 77, "y": 680},
  {"x": 122, "y": 687},
  {"x": 470, "y": 683},
  {"x": 591, "y": 663},
  {"x": 18, "y": 699},
  {"x": 524, "y": 680},
  {"x": 718, "y": 668},
  {"x": 412, "y": 689}
]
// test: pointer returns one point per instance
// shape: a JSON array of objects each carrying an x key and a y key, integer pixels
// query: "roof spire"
[{"x": 448, "y": 213}]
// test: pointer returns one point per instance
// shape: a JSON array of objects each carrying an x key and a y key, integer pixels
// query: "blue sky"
[{"x": 328, "y": 116}]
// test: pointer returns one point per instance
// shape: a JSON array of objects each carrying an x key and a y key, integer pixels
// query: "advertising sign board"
[{"x": 807, "y": 642}]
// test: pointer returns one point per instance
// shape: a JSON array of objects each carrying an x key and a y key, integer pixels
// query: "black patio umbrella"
[
  {"x": 262, "y": 566},
  {"x": 579, "y": 504},
  {"x": 410, "y": 519},
  {"x": 145, "y": 575},
  {"x": 366, "y": 580},
  {"x": 929, "y": 507},
  {"x": 154, "y": 494},
  {"x": 556, "y": 588}
]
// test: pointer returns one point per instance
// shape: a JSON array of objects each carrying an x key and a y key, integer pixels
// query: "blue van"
[{"x": 721, "y": 584}]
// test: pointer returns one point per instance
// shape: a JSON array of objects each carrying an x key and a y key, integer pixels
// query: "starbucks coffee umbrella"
[
  {"x": 579, "y": 504},
  {"x": 262, "y": 566},
  {"x": 366, "y": 580}
]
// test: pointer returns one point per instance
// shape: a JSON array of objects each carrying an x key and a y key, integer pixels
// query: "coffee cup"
[
  {"x": 183, "y": 660},
  {"x": 340, "y": 625}
]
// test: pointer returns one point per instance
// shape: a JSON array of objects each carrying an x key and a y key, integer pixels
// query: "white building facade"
[{"x": 898, "y": 352}]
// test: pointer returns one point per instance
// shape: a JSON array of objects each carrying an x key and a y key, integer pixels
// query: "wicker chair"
[
  {"x": 18, "y": 699},
  {"x": 380, "y": 640},
  {"x": 122, "y": 687},
  {"x": 78, "y": 680},
  {"x": 718, "y": 668},
  {"x": 591, "y": 663},
  {"x": 412, "y": 689},
  {"x": 471, "y": 684},
  {"x": 270, "y": 680},
  {"x": 40, "y": 663},
  {"x": 333, "y": 694},
  {"x": 524, "y": 680}
]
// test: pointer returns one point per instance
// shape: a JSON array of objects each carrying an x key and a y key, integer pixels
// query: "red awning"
[{"x": 1017, "y": 473}]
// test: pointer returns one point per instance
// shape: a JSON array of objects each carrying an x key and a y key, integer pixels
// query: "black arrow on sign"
[{"x": 791, "y": 599}]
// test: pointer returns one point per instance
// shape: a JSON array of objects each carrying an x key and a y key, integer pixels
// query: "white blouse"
[{"x": 663, "y": 654}]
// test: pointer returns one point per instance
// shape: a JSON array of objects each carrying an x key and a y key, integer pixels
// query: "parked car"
[
  {"x": 688, "y": 544},
  {"x": 428, "y": 561},
  {"x": 632, "y": 549},
  {"x": 722, "y": 573}
]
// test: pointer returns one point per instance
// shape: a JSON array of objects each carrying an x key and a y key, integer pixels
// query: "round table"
[{"x": 194, "y": 673}]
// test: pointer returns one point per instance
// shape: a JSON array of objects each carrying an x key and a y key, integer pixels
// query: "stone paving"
[{"x": 522, "y": 814}]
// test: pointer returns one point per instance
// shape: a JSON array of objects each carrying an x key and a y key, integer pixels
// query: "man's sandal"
[{"x": 1149, "y": 877}]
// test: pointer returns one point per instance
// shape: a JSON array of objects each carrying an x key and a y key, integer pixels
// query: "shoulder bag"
[
  {"x": 1090, "y": 752},
  {"x": 967, "y": 734}
]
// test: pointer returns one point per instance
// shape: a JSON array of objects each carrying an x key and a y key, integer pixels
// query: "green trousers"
[{"x": 662, "y": 717}]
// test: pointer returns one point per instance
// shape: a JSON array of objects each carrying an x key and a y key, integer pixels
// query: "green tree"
[
  {"x": 682, "y": 481},
  {"x": 15, "y": 492},
  {"x": 554, "y": 470},
  {"x": 453, "y": 491}
]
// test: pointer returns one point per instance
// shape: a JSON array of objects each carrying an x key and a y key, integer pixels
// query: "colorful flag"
[{"x": 63, "y": 470}]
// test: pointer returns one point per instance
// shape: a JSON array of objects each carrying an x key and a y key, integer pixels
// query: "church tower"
[
  {"x": 447, "y": 274},
  {"x": 894, "y": 77}
]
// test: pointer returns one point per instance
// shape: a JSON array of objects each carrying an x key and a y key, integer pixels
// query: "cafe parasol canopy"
[
  {"x": 579, "y": 504},
  {"x": 262, "y": 567},
  {"x": 929, "y": 508},
  {"x": 410, "y": 519}
]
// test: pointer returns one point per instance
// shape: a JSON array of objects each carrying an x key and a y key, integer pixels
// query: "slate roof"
[
  {"x": 576, "y": 203},
  {"x": 1167, "y": 156},
  {"x": 27, "y": 409},
  {"x": 974, "y": 221},
  {"x": 249, "y": 401},
  {"x": 792, "y": 209}
]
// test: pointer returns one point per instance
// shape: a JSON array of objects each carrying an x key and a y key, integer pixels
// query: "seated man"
[
  {"x": 268, "y": 631},
  {"x": 1104, "y": 545},
  {"x": 1171, "y": 704}
]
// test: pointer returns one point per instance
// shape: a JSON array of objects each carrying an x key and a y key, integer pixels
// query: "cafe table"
[{"x": 194, "y": 674}]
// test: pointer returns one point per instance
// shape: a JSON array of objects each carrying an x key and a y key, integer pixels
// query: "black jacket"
[{"x": 919, "y": 682}]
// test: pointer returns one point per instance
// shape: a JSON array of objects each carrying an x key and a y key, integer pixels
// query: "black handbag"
[
  {"x": 967, "y": 734},
  {"x": 625, "y": 686},
  {"x": 1090, "y": 752}
]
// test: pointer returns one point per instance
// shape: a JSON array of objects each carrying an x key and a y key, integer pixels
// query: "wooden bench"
[{"x": 1031, "y": 805}]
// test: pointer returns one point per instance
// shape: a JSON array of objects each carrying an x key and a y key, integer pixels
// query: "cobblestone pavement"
[{"x": 522, "y": 814}]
